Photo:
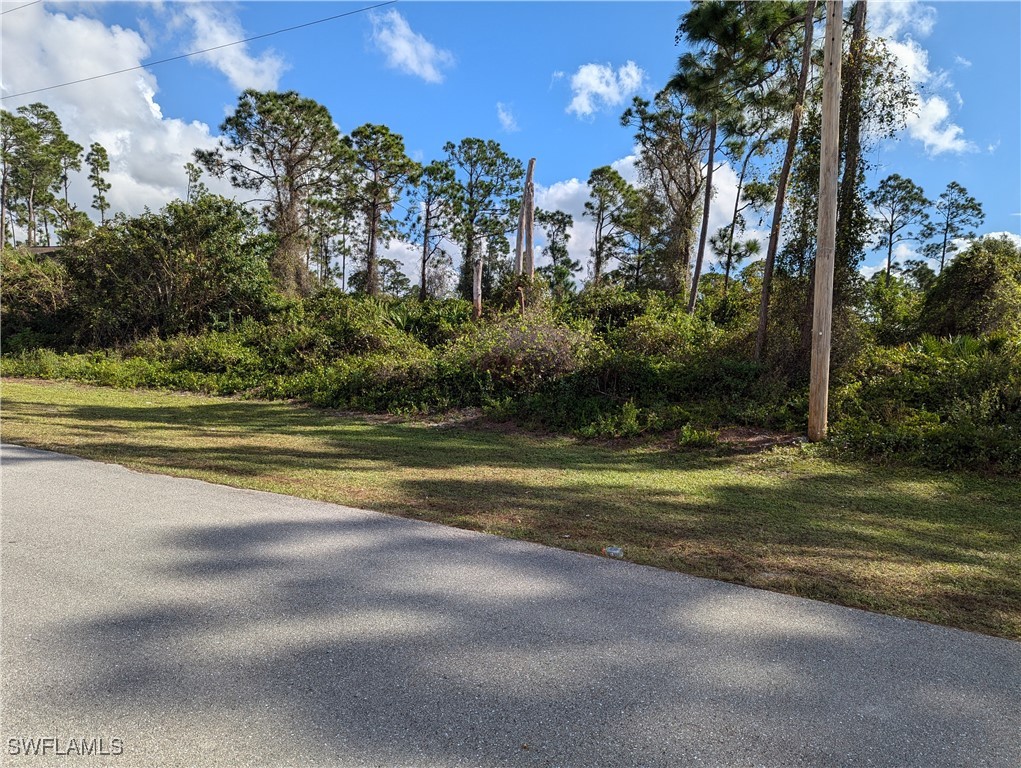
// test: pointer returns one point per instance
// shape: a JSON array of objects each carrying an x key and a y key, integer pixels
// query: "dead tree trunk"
[
  {"x": 477, "y": 284},
  {"x": 529, "y": 221},
  {"x": 706, "y": 203}
]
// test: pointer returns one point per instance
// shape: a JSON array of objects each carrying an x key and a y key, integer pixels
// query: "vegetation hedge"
[{"x": 605, "y": 363}]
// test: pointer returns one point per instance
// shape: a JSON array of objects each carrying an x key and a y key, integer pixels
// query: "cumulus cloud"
[
  {"x": 933, "y": 128},
  {"x": 902, "y": 252},
  {"x": 893, "y": 18},
  {"x": 147, "y": 150},
  {"x": 214, "y": 25},
  {"x": 506, "y": 117},
  {"x": 408, "y": 256},
  {"x": 901, "y": 24},
  {"x": 599, "y": 86},
  {"x": 1014, "y": 237},
  {"x": 568, "y": 196},
  {"x": 627, "y": 167},
  {"x": 406, "y": 50}
]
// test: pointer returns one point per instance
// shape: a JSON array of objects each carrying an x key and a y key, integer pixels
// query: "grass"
[{"x": 940, "y": 547}]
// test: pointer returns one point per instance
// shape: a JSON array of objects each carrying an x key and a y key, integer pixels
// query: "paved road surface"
[{"x": 208, "y": 626}]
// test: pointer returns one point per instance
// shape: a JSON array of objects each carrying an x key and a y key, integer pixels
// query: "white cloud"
[
  {"x": 899, "y": 23},
  {"x": 147, "y": 150},
  {"x": 1014, "y": 237},
  {"x": 962, "y": 62},
  {"x": 867, "y": 272},
  {"x": 627, "y": 167},
  {"x": 912, "y": 57},
  {"x": 902, "y": 251},
  {"x": 405, "y": 254},
  {"x": 407, "y": 50},
  {"x": 214, "y": 25},
  {"x": 932, "y": 127},
  {"x": 893, "y": 18},
  {"x": 568, "y": 196},
  {"x": 721, "y": 213},
  {"x": 506, "y": 117},
  {"x": 598, "y": 86}
]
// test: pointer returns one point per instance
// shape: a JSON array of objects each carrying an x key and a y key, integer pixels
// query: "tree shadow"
[
  {"x": 950, "y": 559},
  {"x": 236, "y": 627},
  {"x": 950, "y": 562},
  {"x": 411, "y": 444},
  {"x": 374, "y": 640}
]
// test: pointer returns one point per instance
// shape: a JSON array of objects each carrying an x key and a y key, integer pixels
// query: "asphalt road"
[{"x": 199, "y": 625}]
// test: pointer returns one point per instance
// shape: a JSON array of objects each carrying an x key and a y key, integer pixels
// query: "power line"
[
  {"x": 196, "y": 53},
  {"x": 12, "y": 10}
]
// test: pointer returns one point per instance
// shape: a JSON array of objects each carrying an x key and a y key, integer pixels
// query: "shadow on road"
[{"x": 378, "y": 640}]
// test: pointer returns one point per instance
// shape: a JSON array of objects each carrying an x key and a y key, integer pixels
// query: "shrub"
[
  {"x": 189, "y": 267},
  {"x": 979, "y": 292},
  {"x": 672, "y": 334},
  {"x": 607, "y": 307},
  {"x": 34, "y": 301},
  {"x": 354, "y": 325},
  {"x": 692, "y": 437},
  {"x": 514, "y": 355},
  {"x": 433, "y": 323},
  {"x": 944, "y": 403}
]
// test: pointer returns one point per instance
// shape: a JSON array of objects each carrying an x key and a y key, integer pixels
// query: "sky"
[{"x": 546, "y": 80}]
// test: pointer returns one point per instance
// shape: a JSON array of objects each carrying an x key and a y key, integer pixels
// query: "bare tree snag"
[
  {"x": 529, "y": 221},
  {"x": 518, "y": 242},
  {"x": 477, "y": 284}
]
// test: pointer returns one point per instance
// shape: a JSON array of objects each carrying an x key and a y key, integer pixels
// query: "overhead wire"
[
  {"x": 194, "y": 53},
  {"x": 12, "y": 10}
]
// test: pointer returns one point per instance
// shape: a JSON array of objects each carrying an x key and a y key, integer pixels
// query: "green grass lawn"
[{"x": 942, "y": 547}]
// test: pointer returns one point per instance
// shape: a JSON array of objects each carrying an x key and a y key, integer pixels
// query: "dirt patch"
[{"x": 751, "y": 440}]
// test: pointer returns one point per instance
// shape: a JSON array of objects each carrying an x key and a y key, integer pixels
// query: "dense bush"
[
  {"x": 939, "y": 402},
  {"x": 516, "y": 355},
  {"x": 979, "y": 292},
  {"x": 608, "y": 308},
  {"x": 665, "y": 332},
  {"x": 34, "y": 300},
  {"x": 189, "y": 267},
  {"x": 605, "y": 364}
]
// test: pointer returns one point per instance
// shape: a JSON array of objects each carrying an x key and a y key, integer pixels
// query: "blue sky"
[{"x": 547, "y": 80}]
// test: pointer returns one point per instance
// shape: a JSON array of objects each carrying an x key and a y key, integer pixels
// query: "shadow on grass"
[
  {"x": 411, "y": 444},
  {"x": 819, "y": 536},
  {"x": 860, "y": 537}
]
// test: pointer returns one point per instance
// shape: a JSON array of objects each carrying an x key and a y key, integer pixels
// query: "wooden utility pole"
[{"x": 829, "y": 161}]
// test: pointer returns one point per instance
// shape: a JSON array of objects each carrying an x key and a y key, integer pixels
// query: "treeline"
[
  {"x": 213, "y": 295},
  {"x": 603, "y": 363},
  {"x": 741, "y": 95}
]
